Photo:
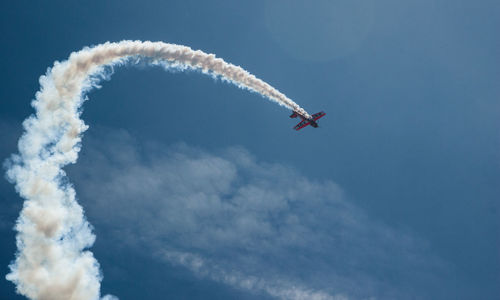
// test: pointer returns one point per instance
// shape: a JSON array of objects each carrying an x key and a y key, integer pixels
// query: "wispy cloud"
[
  {"x": 279, "y": 288},
  {"x": 9, "y": 134},
  {"x": 253, "y": 225}
]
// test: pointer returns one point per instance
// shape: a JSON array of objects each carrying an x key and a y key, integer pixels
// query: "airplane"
[{"x": 307, "y": 121}]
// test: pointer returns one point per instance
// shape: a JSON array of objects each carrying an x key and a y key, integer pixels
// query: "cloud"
[
  {"x": 253, "y": 225},
  {"x": 278, "y": 288}
]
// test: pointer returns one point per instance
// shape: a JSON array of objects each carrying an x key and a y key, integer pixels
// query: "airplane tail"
[{"x": 294, "y": 115}]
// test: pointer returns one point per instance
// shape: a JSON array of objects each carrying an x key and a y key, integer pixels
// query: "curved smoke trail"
[{"x": 52, "y": 261}]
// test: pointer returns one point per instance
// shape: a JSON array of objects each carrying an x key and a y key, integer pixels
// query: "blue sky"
[{"x": 198, "y": 189}]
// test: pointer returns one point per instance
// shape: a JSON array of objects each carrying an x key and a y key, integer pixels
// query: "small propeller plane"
[{"x": 307, "y": 121}]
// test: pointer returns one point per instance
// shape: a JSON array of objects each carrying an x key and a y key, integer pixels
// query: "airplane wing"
[
  {"x": 317, "y": 116},
  {"x": 302, "y": 124}
]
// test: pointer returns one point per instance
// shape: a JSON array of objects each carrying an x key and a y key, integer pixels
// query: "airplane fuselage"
[
  {"x": 312, "y": 122},
  {"x": 307, "y": 120}
]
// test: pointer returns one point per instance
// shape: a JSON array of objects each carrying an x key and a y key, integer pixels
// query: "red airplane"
[{"x": 307, "y": 121}]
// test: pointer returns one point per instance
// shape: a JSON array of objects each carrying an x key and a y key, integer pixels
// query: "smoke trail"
[{"x": 52, "y": 261}]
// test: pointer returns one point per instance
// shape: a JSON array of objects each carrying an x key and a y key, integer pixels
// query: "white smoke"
[{"x": 52, "y": 261}]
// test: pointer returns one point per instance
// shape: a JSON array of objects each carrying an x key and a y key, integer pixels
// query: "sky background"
[{"x": 200, "y": 190}]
